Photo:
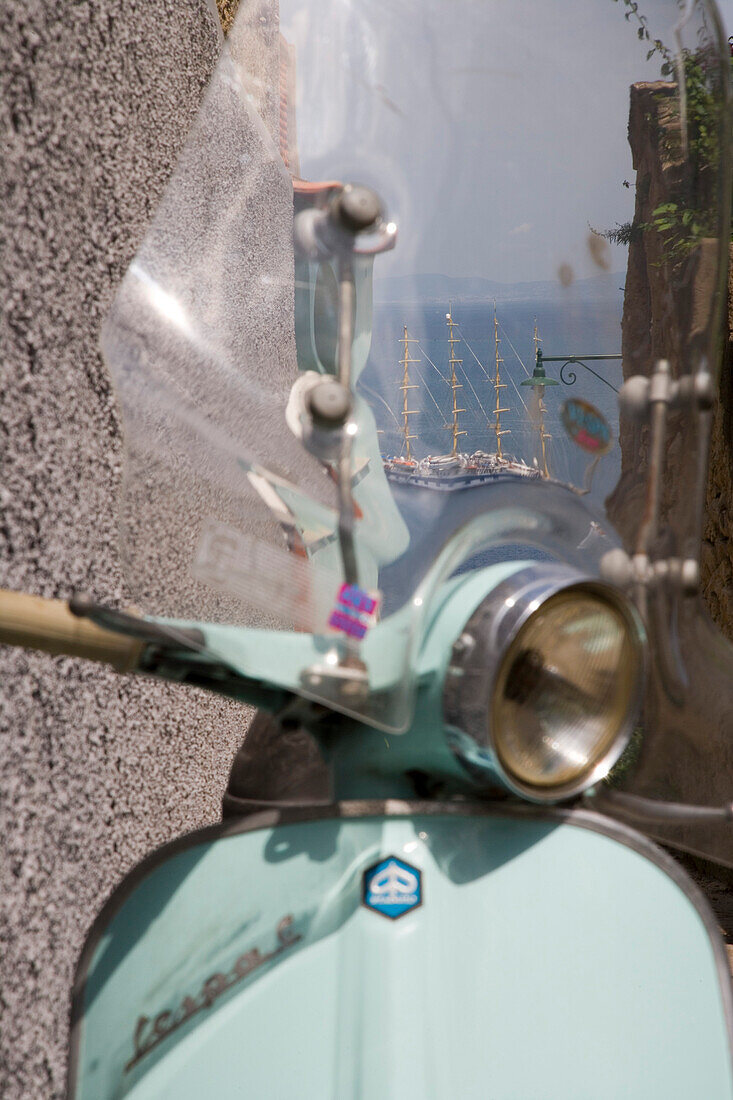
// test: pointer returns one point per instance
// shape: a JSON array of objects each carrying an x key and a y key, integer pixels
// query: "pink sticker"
[{"x": 355, "y": 611}]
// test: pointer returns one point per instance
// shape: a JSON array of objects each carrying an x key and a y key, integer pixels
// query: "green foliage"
[
  {"x": 682, "y": 229},
  {"x": 683, "y": 224},
  {"x": 644, "y": 35},
  {"x": 624, "y": 233},
  {"x": 703, "y": 121}
]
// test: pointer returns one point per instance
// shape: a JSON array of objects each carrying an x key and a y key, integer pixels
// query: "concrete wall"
[{"x": 95, "y": 769}]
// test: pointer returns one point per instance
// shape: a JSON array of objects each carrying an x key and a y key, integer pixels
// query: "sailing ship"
[{"x": 458, "y": 469}]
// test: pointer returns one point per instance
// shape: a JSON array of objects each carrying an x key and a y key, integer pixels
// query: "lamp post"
[
  {"x": 581, "y": 361},
  {"x": 538, "y": 382}
]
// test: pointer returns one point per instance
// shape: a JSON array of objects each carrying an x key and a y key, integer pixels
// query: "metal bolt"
[
  {"x": 356, "y": 208},
  {"x": 329, "y": 403},
  {"x": 616, "y": 567}
]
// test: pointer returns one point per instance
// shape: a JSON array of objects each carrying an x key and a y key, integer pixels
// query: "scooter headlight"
[
  {"x": 564, "y": 690},
  {"x": 545, "y": 683}
]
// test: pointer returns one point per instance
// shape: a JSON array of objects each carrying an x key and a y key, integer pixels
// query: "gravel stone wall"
[{"x": 96, "y": 769}]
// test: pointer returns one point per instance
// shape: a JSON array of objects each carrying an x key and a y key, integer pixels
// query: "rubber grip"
[{"x": 37, "y": 623}]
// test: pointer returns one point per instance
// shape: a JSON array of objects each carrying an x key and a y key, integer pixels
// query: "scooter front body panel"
[{"x": 499, "y": 952}]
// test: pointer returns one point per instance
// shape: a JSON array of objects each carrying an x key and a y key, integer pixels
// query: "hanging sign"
[{"x": 586, "y": 426}]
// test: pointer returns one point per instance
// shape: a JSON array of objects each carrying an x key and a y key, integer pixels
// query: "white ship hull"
[{"x": 447, "y": 473}]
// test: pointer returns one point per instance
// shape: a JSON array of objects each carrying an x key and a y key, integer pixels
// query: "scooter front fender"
[{"x": 536, "y": 954}]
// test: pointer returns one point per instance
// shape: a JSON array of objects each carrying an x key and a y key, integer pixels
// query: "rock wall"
[
  {"x": 96, "y": 769},
  {"x": 670, "y": 308}
]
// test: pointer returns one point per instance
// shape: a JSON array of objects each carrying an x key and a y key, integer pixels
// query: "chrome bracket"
[
  {"x": 352, "y": 224},
  {"x": 651, "y": 398}
]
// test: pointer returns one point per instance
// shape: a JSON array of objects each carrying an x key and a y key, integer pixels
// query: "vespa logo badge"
[{"x": 392, "y": 887}]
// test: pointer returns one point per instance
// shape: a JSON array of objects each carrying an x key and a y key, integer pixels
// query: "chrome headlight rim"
[{"x": 479, "y": 659}]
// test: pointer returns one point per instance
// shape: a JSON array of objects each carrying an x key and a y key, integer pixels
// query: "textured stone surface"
[
  {"x": 669, "y": 307},
  {"x": 96, "y": 769}
]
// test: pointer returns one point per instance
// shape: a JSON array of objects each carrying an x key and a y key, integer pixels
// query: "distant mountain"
[{"x": 442, "y": 288}]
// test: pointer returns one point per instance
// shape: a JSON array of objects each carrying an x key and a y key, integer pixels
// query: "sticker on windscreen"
[{"x": 355, "y": 611}]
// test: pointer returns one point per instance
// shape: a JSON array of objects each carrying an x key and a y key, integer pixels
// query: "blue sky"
[{"x": 496, "y": 131}]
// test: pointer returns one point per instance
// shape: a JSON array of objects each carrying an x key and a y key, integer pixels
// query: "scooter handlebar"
[{"x": 38, "y": 623}]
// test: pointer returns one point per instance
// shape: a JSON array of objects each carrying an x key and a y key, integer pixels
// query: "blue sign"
[
  {"x": 586, "y": 426},
  {"x": 392, "y": 887}
]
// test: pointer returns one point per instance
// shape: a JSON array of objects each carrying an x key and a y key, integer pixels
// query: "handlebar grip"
[{"x": 38, "y": 623}]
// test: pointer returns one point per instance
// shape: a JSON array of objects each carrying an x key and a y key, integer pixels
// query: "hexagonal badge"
[{"x": 392, "y": 887}]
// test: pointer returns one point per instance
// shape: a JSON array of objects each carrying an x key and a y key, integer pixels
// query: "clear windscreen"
[{"x": 553, "y": 174}]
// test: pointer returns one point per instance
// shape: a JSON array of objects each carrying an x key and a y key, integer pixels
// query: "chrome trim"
[
  {"x": 583, "y": 819},
  {"x": 477, "y": 660}
]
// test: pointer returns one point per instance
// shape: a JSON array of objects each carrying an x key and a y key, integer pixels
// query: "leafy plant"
[
  {"x": 683, "y": 224},
  {"x": 624, "y": 233},
  {"x": 644, "y": 35},
  {"x": 682, "y": 229}
]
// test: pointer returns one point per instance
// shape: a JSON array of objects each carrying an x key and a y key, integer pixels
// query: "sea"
[
  {"x": 569, "y": 326},
  {"x": 580, "y": 323}
]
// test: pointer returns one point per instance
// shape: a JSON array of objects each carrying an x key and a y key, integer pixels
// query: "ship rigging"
[{"x": 456, "y": 470}]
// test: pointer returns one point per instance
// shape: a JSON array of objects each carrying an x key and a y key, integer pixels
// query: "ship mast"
[
  {"x": 544, "y": 436},
  {"x": 407, "y": 385},
  {"x": 498, "y": 385},
  {"x": 455, "y": 385}
]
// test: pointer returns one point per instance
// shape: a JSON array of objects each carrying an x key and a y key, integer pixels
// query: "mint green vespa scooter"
[{"x": 399, "y": 474}]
